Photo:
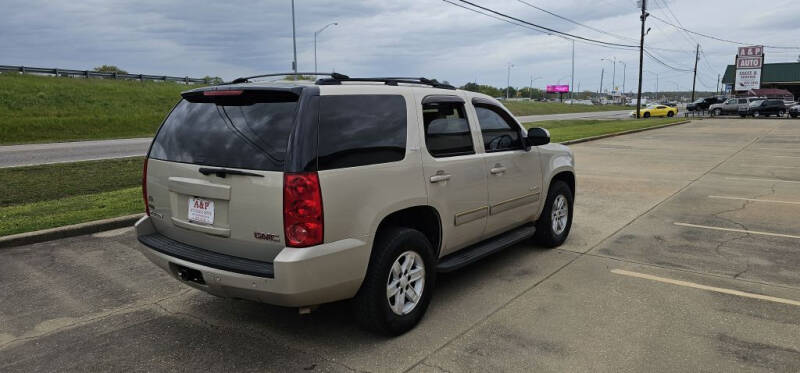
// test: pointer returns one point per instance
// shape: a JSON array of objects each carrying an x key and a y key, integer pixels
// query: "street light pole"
[
  {"x": 624, "y": 74},
  {"x": 572, "y": 75},
  {"x": 294, "y": 45},
  {"x": 508, "y": 79},
  {"x": 643, "y": 17},
  {"x": 315, "y": 42}
]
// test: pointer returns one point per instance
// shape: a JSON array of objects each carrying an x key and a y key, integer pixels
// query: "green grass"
[
  {"x": 49, "y": 109},
  {"x": 564, "y": 130},
  {"x": 49, "y": 182},
  {"x": 70, "y": 210},
  {"x": 48, "y": 196},
  {"x": 538, "y": 108}
]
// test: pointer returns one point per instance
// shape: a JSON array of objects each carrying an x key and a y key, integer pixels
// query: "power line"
[
  {"x": 576, "y": 22},
  {"x": 577, "y": 37},
  {"x": 664, "y": 63},
  {"x": 717, "y": 38}
]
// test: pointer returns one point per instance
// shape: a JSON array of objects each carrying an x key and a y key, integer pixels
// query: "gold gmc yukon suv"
[{"x": 298, "y": 194}]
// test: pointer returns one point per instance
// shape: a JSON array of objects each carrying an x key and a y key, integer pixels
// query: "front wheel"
[
  {"x": 647, "y": 115},
  {"x": 781, "y": 113},
  {"x": 553, "y": 226},
  {"x": 399, "y": 282},
  {"x": 756, "y": 114},
  {"x": 793, "y": 115},
  {"x": 717, "y": 112}
]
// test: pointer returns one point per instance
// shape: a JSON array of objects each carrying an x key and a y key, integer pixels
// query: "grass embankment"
[
  {"x": 519, "y": 108},
  {"x": 564, "y": 130},
  {"x": 36, "y": 109},
  {"x": 47, "y": 196}
]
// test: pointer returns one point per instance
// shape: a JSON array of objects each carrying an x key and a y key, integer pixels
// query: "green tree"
[
  {"x": 299, "y": 77},
  {"x": 213, "y": 79},
  {"x": 109, "y": 69}
]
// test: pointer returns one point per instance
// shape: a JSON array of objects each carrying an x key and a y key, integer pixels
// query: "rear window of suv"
[
  {"x": 359, "y": 130},
  {"x": 249, "y": 131}
]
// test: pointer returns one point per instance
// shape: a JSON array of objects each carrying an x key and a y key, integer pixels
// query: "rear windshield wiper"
[{"x": 222, "y": 172}]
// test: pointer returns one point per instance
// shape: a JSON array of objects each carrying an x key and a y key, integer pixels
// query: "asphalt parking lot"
[{"x": 684, "y": 256}]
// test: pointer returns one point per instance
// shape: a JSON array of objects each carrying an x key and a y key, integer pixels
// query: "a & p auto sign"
[{"x": 748, "y": 68}]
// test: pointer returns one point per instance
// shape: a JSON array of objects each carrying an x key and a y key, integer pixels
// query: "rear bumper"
[{"x": 299, "y": 277}]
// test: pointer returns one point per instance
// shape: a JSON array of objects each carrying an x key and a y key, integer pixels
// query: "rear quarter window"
[{"x": 359, "y": 130}]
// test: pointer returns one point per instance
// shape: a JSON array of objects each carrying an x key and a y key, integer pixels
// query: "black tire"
[
  {"x": 646, "y": 115},
  {"x": 717, "y": 112},
  {"x": 743, "y": 115},
  {"x": 670, "y": 114},
  {"x": 781, "y": 113},
  {"x": 793, "y": 115},
  {"x": 372, "y": 305},
  {"x": 756, "y": 114},
  {"x": 546, "y": 235}
]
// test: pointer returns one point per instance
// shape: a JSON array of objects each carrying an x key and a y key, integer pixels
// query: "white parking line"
[
  {"x": 736, "y": 230},
  {"x": 763, "y": 166},
  {"x": 755, "y": 200},
  {"x": 705, "y": 287},
  {"x": 762, "y": 179}
]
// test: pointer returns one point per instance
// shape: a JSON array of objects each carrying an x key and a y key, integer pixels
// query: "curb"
[
  {"x": 68, "y": 231},
  {"x": 127, "y": 221},
  {"x": 598, "y": 137}
]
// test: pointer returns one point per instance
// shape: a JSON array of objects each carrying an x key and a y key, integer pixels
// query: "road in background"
[
  {"x": 683, "y": 256},
  {"x": 34, "y": 154}
]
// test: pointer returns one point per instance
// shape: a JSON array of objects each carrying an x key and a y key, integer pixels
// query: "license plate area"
[{"x": 200, "y": 210}]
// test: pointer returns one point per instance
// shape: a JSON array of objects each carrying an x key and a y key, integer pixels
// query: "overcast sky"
[{"x": 401, "y": 38}]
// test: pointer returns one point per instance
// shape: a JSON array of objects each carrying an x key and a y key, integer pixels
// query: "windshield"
[
  {"x": 699, "y": 100},
  {"x": 756, "y": 103},
  {"x": 249, "y": 132}
]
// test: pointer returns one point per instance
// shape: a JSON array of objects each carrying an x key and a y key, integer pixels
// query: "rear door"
[
  {"x": 514, "y": 173},
  {"x": 454, "y": 171},
  {"x": 215, "y": 171}
]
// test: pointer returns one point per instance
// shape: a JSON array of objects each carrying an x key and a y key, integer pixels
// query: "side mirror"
[{"x": 537, "y": 136}]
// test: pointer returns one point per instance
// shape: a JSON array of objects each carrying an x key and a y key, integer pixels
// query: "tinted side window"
[
  {"x": 446, "y": 129},
  {"x": 499, "y": 133},
  {"x": 358, "y": 130}
]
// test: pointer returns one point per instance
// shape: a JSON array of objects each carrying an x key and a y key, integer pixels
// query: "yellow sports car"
[{"x": 657, "y": 110}]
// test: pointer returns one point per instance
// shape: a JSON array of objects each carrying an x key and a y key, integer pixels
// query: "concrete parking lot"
[{"x": 684, "y": 256}]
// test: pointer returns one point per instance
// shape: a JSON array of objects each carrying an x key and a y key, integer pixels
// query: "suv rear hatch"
[{"x": 214, "y": 174}]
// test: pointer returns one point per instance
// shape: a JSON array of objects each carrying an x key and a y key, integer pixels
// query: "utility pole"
[
  {"x": 572, "y": 75},
  {"x": 508, "y": 79},
  {"x": 602, "y": 72},
  {"x": 294, "y": 45},
  {"x": 614, "y": 75},
  {"x": 643, "y": 17},
  {"x": 624, "y": 73},
  {"x": 696, "y": 58},
  {"x": 718, "y": 92}
]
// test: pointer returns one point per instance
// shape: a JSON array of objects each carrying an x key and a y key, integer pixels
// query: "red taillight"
[
  {"x": 302, "y": 209},
  {"x": 144, "y": 188},
  {"x": 223, "y": 93}
]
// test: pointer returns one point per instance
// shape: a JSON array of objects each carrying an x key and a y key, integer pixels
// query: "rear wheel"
[
  {"x": 781, "y": 113},
  {"x": 756, "y": 114},
  {"x": 553, "y": 226},
  {"x": 399, "y": 282},
  {"x": 670, "y": 114},
  {"x": 717, "y": 112}
]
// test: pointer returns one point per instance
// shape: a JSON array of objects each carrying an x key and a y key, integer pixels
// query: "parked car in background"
[
  {"x": 732, "y": 105},
  {"x": 704, "y": 103},
  {"x": 656, "y": 110},
  {"x": 764, "y": 108},
  {"x": 794, "y": 111}
]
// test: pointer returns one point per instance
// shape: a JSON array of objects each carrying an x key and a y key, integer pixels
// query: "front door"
[
  {"x": 454, "y": 172},
  {"x": 515, "y": 178}
]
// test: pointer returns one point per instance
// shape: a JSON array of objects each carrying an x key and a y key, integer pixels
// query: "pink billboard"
[{"x": 557, "y": 88}]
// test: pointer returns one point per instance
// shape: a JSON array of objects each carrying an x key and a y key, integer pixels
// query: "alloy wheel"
[
  {"x": 559, "y": 214},
  {"x": 406, "y": 283}
]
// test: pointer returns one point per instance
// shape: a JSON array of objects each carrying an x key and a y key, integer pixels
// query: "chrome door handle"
[
  {"x": 498, "y": 169},
  {"x": 439, "y": 177}
]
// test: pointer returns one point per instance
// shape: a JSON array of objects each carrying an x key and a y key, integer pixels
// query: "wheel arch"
[{"x": 424, "y": 218}]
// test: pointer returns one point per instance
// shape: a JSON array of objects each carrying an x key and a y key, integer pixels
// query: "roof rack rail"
[
  {"x": 386, "y": 80},
  {"x": 247, "y": 78}
]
